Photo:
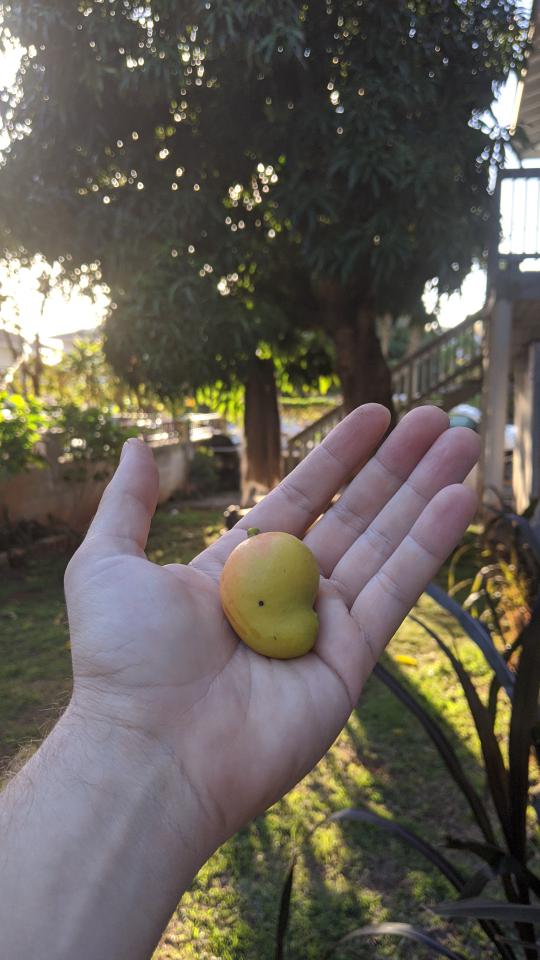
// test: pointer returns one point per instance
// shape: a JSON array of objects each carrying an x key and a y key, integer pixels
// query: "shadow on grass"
[
  {"x": 348, "y": 874},
  {"x": 35, "y": 659}
]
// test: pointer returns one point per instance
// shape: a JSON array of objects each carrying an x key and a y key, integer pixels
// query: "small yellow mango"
[{"x": 268, "y": 587}]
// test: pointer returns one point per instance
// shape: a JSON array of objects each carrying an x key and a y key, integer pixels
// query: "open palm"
[{"x": 152, "y": 650}]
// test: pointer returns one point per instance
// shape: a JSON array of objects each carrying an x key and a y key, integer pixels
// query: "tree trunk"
[
  {"x": 415, "y": 339},
  {"x": 36, "y": 368},
  {"x": 361, "y": 367},
  {"x": 262, "y": 434},
  {"x": 384, "y": 329}
]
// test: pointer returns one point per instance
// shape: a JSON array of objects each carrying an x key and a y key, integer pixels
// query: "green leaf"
[
  {"x": 494, "y": 764},
  {"x": 477, "y": 633},
  {"x": 284, "y": 913},
  {"x": 525, "y": 715},
  {"x": 490, "y": 910},
  {"x": 444, "y": 747},
  {"x": 402, "y": 930}
]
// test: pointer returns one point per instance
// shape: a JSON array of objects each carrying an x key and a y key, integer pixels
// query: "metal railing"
[
  {"x": 154, "y": 429},
  {"x": 446, "y": 371},
  {"x": 443, "y": 370},
  {"x": 304, "y": 442}
]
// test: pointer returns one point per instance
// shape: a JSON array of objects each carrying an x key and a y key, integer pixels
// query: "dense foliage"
[
  {"x": 82, "y": 434},
  {"x": 90, "y": 434},
  {"x": 245, "y": 171},
  {"x": 21, "y": 419}
]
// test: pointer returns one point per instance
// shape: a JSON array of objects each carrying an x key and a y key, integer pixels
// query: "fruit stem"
[{"x": 253, "y": 532}]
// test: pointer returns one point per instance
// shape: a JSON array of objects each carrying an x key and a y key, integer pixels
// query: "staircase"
[{"x": 446, "y": 371}]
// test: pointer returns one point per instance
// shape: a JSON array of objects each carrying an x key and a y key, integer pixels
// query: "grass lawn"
[{"x": 348, "y": 875}]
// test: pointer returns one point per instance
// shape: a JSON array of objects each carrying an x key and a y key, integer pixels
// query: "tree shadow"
[{"x": 350, "y": 874}]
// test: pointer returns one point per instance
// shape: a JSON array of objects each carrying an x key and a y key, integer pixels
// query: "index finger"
[{"x": 301, "y": 497}]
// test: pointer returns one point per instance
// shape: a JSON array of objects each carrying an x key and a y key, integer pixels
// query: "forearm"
[{"x": 100, "y": 836}]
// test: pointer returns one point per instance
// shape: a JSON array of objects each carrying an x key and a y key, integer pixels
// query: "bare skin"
[{"x": 177, "y": 734}]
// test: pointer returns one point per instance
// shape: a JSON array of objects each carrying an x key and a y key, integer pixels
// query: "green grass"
[
  {"x": 347, "y": 875},
  {"x": 35, "y": 660},
  {"x": 35, "y": 663}
]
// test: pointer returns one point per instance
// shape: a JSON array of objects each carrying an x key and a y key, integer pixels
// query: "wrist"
[
  {"x": 100, "y": 822},
  {"x": 140, "y": 770}
]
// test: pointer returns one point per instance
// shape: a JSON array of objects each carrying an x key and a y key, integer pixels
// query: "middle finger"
[
  {"x": 448, "y": 462},
  {"x": 375, "y": 485}
]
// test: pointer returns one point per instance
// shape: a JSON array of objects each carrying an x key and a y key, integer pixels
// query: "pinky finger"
[{"x": 389, "y": 596}]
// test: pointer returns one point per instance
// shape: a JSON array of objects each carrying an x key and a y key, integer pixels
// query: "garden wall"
[{"x": 52, "y": 492}]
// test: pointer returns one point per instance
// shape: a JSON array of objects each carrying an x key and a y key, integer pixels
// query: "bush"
[
  {"x": 21, "y": 419},
  {"x": 203, "y": 473},
  {"x": 89, "y": 435}
]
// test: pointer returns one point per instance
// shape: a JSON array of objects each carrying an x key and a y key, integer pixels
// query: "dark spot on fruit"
[{"x": 261, "y": 603}]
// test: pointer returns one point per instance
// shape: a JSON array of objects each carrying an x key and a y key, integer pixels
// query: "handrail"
[
  {"x": 153, "y": 429},
  {"x": 436, "y": 369},
  {"x": 328, "y": 419},
  {"x": 439, "y": 365},
  {"x": 440, "y": 339}
]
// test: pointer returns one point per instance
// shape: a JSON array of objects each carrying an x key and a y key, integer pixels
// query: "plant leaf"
[
  {"x": 477, "y": 633},
  {"x": 502, "y": 863},
  {"x": 524, "y": 719},
  {"x": 494, "y": 764},
  {"x": 390, "y": 826},
  {"x": 445, "y": 748},
  {"x": 404, "y": 930},
  {"x": 490, "y": 910},
  {"x": 512, "y": 942},
  {"x": 284, "y": 912},
  {"x": 527, "y": 532}
]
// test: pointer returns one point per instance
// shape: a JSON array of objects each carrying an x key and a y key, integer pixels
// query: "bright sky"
[
  {"x": 53, "y": 315},
  {"x": 25, "y": 308},
  {"x": 77, "y": 312}
]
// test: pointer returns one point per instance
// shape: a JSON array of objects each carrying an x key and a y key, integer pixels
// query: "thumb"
[{"x": 125, "y": 513}]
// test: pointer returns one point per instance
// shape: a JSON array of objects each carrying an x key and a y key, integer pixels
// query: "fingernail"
[
  {"x": 131, "y": 442},
  {"x": 124, "y": 448}
]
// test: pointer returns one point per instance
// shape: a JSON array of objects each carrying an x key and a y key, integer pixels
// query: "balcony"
[{"x": 514, "y": 268}]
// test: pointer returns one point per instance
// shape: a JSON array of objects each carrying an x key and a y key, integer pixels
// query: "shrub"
[
  {"x": 89, "y": 435},
  {"x": 21, "y": 419},
  {"x": 203, "y": 473}
]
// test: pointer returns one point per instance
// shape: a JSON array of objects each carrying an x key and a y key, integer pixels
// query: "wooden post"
[
  {"x": 497, "y": 349},
  {"x": 526, "y": 465}
]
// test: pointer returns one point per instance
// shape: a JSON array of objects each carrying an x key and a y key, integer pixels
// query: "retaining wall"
[{"x": 57, "y": 492}]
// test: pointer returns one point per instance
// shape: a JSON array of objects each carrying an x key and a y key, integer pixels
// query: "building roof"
[
  {"x": 68, "y": 339},
  {"x": 11, "y": 350},
  {"x": 527, "y": 113}
]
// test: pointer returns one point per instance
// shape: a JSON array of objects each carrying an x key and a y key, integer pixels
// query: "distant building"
[
  {"x": 12, "y": 347},
  {"x": 512, "y": 356},
  {"x": 68, "y": 340}
]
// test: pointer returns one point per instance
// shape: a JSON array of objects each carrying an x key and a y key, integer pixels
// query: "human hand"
[{"x": 154, "y": 654}]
